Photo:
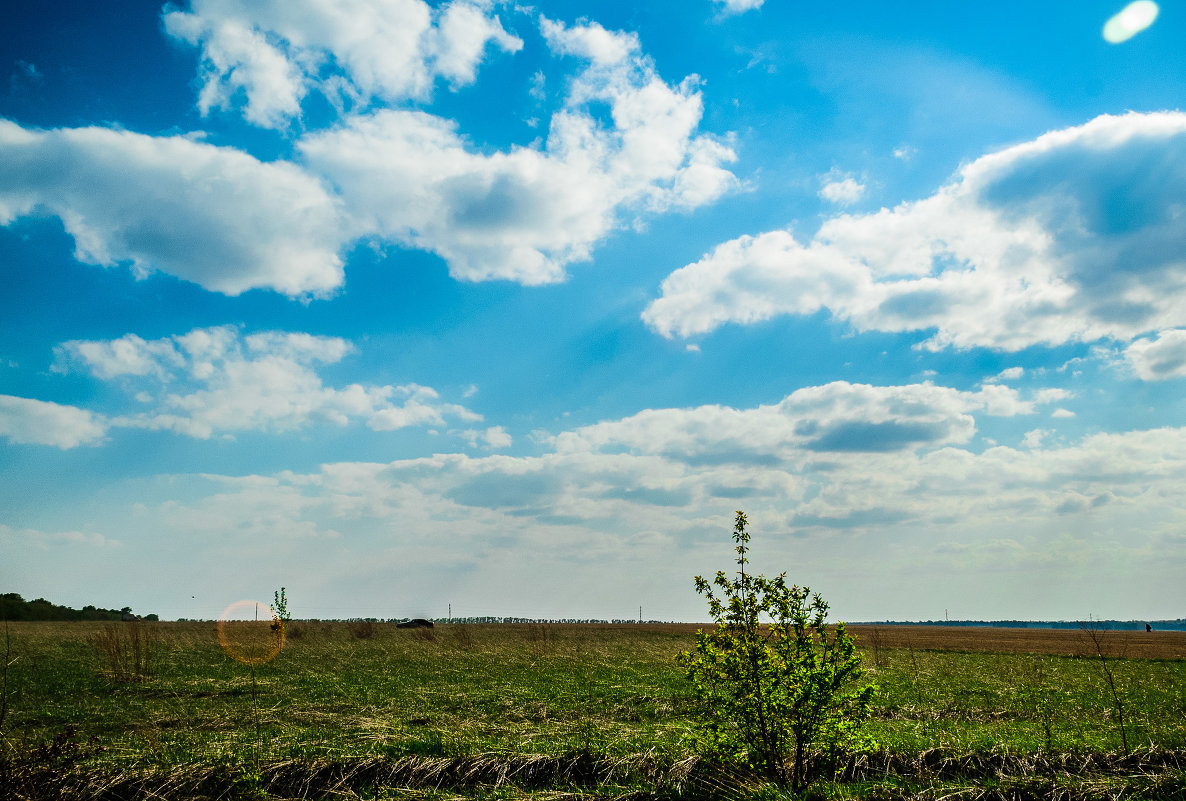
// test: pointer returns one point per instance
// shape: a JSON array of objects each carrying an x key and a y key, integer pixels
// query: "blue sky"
[{"x": 407, "y": 305}]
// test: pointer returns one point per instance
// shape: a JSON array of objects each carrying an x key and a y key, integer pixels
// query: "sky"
[{"x": 485, "y": 308}]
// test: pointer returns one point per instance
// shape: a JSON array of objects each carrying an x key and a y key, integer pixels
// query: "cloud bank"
[
  {"x": 217, "y": 382},
  {"x": 883, "y": 480}
]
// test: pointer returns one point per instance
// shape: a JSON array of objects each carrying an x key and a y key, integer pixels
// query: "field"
[{"x": 548, "y": 711}]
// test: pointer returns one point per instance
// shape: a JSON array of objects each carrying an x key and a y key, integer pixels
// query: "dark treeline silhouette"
[
  {"x": 1106, "y": 625},
  {"x": 14, "y": 607}
]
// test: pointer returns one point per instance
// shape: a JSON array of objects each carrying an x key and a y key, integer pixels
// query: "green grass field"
[{"x": 505, "y": 711}]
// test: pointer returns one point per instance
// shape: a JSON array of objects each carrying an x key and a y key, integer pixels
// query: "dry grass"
[
  {"x": 362, "y": 629},
  {"x": 126, "y": 650},
  {"x": 934, "y": 774}
]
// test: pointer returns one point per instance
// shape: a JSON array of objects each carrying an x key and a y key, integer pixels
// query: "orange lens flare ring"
[{"x": 250, "y": 632}]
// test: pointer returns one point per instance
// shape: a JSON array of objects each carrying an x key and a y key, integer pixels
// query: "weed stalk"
[
  {"x": 4, "y": 686},
  {"x": 1097, "y": 640}
]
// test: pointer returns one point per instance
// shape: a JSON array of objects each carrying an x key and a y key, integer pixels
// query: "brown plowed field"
[{"x": 1066, "y": 642}]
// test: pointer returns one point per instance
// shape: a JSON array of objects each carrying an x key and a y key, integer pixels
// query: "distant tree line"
[{"x": 14, "y": 607}]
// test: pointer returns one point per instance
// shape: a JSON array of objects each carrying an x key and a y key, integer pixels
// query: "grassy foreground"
[{"x": 510, "y": 711}]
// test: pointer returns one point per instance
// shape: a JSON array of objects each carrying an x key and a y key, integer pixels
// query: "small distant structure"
[{"x": 414, "y": 623}]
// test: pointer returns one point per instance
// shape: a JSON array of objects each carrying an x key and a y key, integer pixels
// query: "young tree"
[
  {"x": 280, "y": 608},
  {"x": 781, "y": 696}
]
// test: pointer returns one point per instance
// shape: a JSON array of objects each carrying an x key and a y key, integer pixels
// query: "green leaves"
[{"x": 775, "y": 684}]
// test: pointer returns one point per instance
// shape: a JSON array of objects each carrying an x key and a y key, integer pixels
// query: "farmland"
[{"x": 526, "y": 710}]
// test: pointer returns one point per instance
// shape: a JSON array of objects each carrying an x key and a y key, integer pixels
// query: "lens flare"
[
  {"x": 1134, "y": 18},
  {"x": 250, "y": 632}
]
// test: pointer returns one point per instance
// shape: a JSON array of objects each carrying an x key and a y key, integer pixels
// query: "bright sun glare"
[
  {"x": 1136, "y": 17},
  {"x": 250, "y": 632}
]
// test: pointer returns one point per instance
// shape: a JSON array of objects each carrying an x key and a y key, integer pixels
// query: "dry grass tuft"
[
  {"x": 461, "y": 637},
  {"x": 362, "y": 629},
  {"x": 127, "y": 650}
]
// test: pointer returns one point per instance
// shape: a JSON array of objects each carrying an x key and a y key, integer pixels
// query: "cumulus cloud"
[
  {"x": 1075, "y": 236},
  {"x": 1008, "y": 374},
  {"x": 525, "y": 213},
  {"x": 269, "y": 55},
  {"x": 33, "y": 422},
  {"x": 493, "y": 438},
  {"x": 730, "y": 7},
  {"x": 211, "y": 215},
  {"x": 228, "y": 222},
  {"x": 215, "y": 381},
  {"x": 1160, "y": 357},
  {"x": 843, "y": 190}
]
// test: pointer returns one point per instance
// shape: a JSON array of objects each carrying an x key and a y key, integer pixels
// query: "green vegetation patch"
[{"x": 590, "y": 710}]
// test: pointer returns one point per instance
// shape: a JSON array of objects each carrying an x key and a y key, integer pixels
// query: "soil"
[{"x": 1065, "y": 642}]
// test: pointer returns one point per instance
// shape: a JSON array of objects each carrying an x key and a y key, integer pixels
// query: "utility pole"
[
  {"x": 640, "y": 615},
  {"x": 450, "y": 613}
]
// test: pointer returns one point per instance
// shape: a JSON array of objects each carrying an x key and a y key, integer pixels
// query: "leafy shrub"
[
  {"x": 280, "y": 610},
  {"x": 779, "y": 693}
]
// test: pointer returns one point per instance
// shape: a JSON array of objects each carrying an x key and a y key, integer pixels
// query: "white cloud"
[
  {"x": 1034, "y": 439},
  {"x": 728, "y": 7},
  {"x": 843, "y": 190},
  {"x": 215, "y": 381},
  {"x": 42, "y": 540},
  {"x": 34, "y": 422},
  {"x": 1009, "y": 374},
  {"x": 837, "y": 418},
  {"x": 1051, "y": 395},
  {"x": 1159, "y": 358},
  {"x": 274, "y": 52},
  {"x": 230, "y": 223},
  {"x": 493, "y": 438},
  {"x": 214, "y": 216},
  {"x": 524, "y": 214},
  {"x": 1076, "y": 236}
]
